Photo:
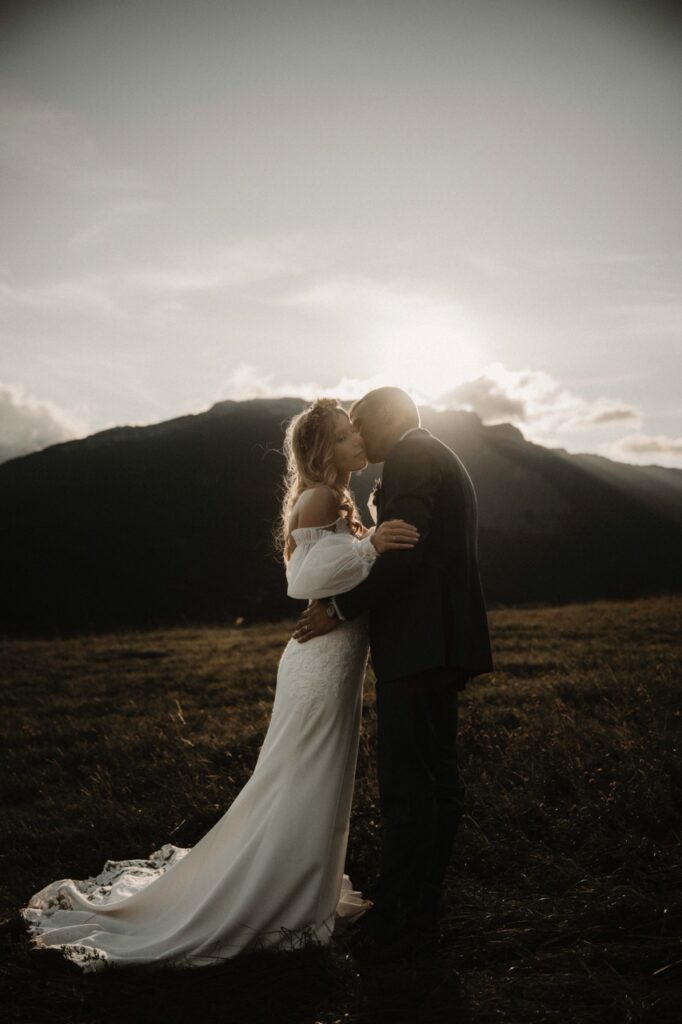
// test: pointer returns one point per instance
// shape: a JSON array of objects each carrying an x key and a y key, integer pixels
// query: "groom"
[{"x": 428, "y": 636}]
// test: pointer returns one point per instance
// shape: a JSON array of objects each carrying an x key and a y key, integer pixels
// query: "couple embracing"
[{"x": 270, "y": 873}]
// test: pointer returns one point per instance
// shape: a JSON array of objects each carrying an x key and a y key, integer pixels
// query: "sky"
[{"x": 476, "y": 201}]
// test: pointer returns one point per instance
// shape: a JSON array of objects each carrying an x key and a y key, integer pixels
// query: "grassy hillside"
[{"x": 564, "y": 894}]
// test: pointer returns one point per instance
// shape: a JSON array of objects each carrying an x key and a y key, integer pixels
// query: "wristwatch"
[{"x": 331, "y": 611}]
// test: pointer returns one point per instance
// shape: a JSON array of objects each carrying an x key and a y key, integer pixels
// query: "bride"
[{"x": 269, "y": 874}]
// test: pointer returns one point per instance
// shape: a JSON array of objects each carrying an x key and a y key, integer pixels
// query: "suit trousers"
[{"x": 420, "y": 790}]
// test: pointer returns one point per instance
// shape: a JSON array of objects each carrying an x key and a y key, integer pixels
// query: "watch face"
[{"x": 330, "y": 610}]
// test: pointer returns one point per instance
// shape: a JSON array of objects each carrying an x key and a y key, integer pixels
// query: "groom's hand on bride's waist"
[{"x": 315, "y": 621}]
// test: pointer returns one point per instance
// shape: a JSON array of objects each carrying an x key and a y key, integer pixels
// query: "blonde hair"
[{"x": 309, "y": 451}]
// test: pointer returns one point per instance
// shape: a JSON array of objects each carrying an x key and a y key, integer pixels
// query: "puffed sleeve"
[{"x": 332, "y": 565}]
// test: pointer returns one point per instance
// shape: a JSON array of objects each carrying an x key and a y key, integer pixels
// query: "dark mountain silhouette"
[{"x": 171, "y": 523}]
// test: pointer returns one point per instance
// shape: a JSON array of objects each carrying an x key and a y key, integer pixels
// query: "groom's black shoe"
[
  {"x": 367, "y": 950},
  {"x": 374, "y": 939}
]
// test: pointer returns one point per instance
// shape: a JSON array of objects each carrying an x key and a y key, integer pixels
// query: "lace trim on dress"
[{"x": 120, "y": 878}]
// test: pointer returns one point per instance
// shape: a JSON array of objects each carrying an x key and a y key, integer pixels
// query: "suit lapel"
[
  {"x": 381, "y": 504},
  {"x": 381, "y": 497}
]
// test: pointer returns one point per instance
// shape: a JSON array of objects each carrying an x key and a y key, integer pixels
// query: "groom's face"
[{"x": 373, "y": 423}]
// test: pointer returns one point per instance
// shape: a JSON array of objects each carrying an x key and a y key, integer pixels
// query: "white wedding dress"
[{"x": 269, "y": 874}]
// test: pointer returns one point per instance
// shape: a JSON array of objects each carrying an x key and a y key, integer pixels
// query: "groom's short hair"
[{"x": 397, "y": 400}]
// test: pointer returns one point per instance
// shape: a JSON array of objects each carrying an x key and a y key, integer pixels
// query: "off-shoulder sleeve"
[{"x": 332, "y": 565}]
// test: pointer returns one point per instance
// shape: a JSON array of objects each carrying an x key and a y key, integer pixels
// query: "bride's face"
[{"x": 349, "y": 451}]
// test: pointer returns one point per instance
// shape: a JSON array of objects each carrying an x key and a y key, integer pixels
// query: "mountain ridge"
[{"x": 172, "y": 522}]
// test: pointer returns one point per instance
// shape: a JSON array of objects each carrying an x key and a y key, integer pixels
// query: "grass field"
[{"x": 565, "y": 892}]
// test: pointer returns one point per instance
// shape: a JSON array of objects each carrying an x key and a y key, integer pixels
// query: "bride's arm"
[
  {"x": 311, "y": 571},
  {"x": 337, "y": 563},
  {"x": 332, "y": 565}
]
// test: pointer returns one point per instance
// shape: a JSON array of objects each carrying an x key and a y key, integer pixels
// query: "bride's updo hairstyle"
[{"x": 309, "y": 451}]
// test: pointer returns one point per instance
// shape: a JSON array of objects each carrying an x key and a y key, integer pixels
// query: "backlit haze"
[{"x": 478, "y": 201}]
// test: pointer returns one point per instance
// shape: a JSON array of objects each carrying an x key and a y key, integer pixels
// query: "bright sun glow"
[
  {"x": 419, "y": 342},
  {"x": 424, "y": 346}
]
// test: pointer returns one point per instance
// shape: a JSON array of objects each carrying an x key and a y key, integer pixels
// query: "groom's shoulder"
[
  {"x": 417, "y": 447},
  {"x": 421, "y": 444}
]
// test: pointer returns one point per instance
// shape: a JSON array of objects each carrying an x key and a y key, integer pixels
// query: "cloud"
[
  {"x": 536, "y": 400},
  {"x": 605, "y": 411},
  {"x": 106, "y": 218},
  {"x": 28, "y": 424},
  {"x": 486, "y": 397},
  {"x": 601, "y": 412},
  {"x": 645, "y": 450},
  {"x": 644, "y": 444},
  {"x": 247, "y": 382},
  {"x": 87, "y": 294},
  {"x": 234, "y": 265},
  {"x": 532, "y": 399},
  {"x": 53, "y": 148}
]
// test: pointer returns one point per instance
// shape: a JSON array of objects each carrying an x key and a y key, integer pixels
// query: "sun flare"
[
  {"x": 424, "y": 343},
  {"x": 427, "y": 348}
]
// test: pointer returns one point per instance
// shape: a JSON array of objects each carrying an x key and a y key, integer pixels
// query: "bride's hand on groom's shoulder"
[
  {"x": 395, "y": 535},
  {"x": 315, "y": 621}
]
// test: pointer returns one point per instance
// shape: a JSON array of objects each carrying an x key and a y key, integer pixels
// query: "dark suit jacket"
[{"x": 426, "y": 606}]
